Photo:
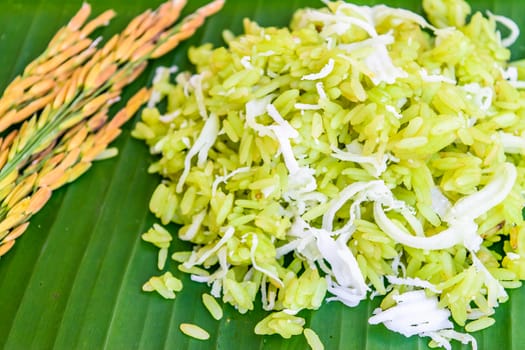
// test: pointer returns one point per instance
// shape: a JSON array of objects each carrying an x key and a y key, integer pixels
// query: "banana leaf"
[{"x": 73, "y": 280}]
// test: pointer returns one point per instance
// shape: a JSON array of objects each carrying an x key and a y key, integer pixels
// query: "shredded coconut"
[
  {"x": 435, "y": 78},
  {"x": 246, "y": 62},
  {"x": 394, "y": 111},
  {"x": 306, "y": 106},
  {"x": 511, "y": 25},
  {"x": 223, "y": 179},
  {"x": 482, "y": 96},
  {"x": 324, "y": 72},
  {"x": 200, "y": 148},
  {"x": 413, "y": 282},
  {"x": 320, "y": 90},
  {"x": 415, "y": 313}
]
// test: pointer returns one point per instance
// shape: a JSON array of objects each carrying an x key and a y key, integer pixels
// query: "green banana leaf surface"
[{"x": 73, "y": 280}]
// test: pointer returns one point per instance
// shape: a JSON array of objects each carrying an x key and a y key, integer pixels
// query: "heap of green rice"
[{"x": 362, "y": 151}]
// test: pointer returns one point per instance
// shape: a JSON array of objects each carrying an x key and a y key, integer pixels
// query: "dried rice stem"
[
  {"x": 110, "y": 131},
  {"x": 106, "y": 61},
  {"x": 12, "y": 151},
  {"x": 45, "y": 144},
  {"x": 147, "y": 37},
  {"x": 3, "y": 234},
  {"x": 118, "y": 120}
]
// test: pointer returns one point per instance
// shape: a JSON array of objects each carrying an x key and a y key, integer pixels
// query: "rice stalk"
[
  {"x": 67, "y": 94},
  {"x": 65, "y": 52},
  {"x": 58, "y": 166}
]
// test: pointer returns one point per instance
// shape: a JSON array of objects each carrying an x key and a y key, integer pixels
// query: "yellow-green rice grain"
[
  {"x": 212, "y": 306},
  {"x": 479, "y": 324},
  {"x": 313, "y": 339},
  {"x": 194, "y": 331},
  {"x": 163, "y": 255}
]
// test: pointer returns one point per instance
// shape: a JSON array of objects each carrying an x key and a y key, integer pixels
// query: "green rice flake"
[
  {"x": 362, "y": 150},
  {"x": 158, "y": 236},
  {"x": 163, "y": 256},
  {"x": 313, "y": 339},
  {"x": 166, "y": 285},
  {"x": 180, "y": 256},
  {"x": 479, "y": 324},
  {"x": 194, "y": 331},
  {"x": 194, "y": 270},
  {"x": 212, "y": 306},
  {"x": 281, "y": 323}
]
